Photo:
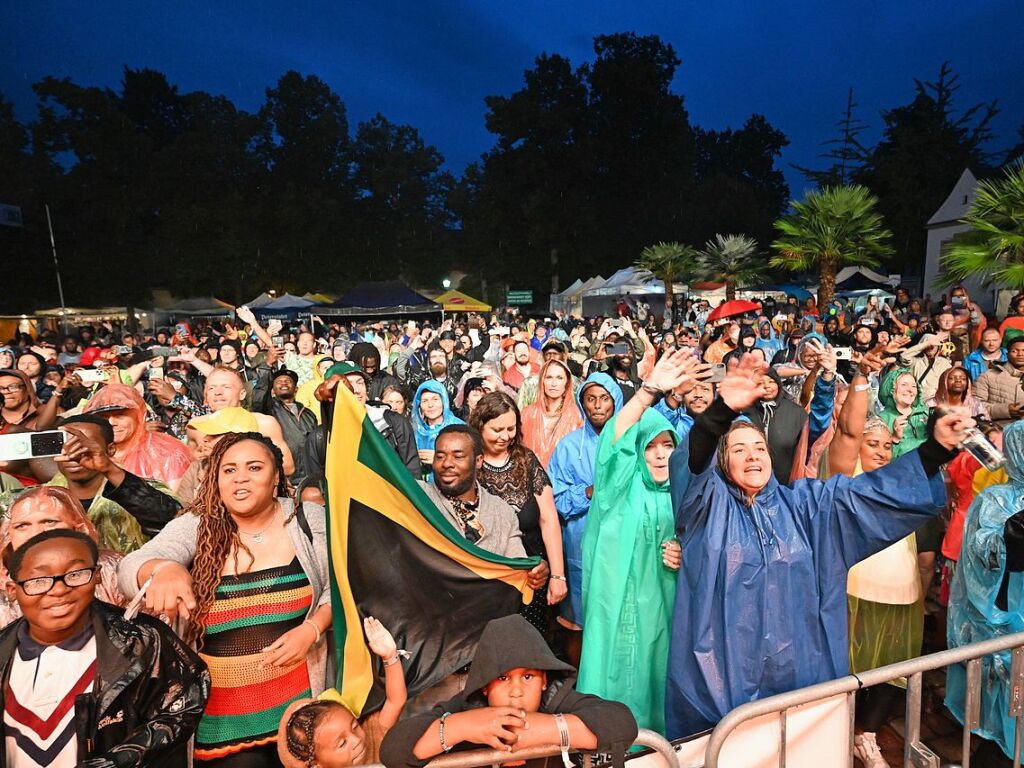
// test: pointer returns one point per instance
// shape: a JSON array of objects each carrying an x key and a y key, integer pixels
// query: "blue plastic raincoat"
[
  {"x": 628, "y": 592},
  {"x": 772, "y": 345},
  {"x": 973, "y": 614},
  {"x": 426, "y": 434},
  {"x": 571, "y": 470},
  {"x": 761, "y": 603}
]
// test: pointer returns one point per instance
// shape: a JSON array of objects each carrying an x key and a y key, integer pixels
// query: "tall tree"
[
  {"x": 828, "y": 229},
  {"x": 733, "y": 260},
  {"x": 669, "y": 262},
  {"x": 994, "y": 244},
  {"x": 925, "y": 147},
  {"x": 846, "y": 151},
  {"x": 402, "y": 193}
]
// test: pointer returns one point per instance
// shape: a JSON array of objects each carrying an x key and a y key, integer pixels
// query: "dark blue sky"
[{"x": 430, "y": 64}]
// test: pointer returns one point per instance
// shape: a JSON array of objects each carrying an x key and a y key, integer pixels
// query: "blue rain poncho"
[
  {"x": 571, "y": 470},
  {"x": 761, "y": 603},
  {"x": 425, "y": 433},
  {"x": 976, "y": 610}
]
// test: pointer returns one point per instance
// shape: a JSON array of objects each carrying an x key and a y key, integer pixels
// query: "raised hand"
[
  {"x": 741, "y": 387},
  {"x": 379, "y": 639},
  {"x": 950, "y": 427},
  {"x": 671, "y": 368}
]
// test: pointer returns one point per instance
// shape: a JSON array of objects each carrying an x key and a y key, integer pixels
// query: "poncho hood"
[{"x": 508, "y": 643}]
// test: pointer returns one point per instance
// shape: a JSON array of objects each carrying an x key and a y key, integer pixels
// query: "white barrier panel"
[{"x": 817, "y": 735}]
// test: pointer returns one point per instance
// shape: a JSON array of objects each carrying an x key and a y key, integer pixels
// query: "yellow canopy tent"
[{"x": 457, "y": 301}]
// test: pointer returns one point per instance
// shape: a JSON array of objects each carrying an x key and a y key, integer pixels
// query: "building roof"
[{"x": 958, "y": 202}]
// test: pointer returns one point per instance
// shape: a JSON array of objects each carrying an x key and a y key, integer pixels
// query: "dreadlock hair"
[
  {"x": 217, "y": 536},
  {"x": 301, "y": 730},
  {"x": 491, "y": 406}
]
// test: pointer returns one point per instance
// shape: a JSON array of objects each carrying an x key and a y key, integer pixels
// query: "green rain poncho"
[
  {"x": 916, "y": 430},
  {"x": 628, "y": 593}
]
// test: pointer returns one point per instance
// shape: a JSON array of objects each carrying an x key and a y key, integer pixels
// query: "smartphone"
[
  {"x": 277, "y": 340},
  {"x": 31, "y": 445},
  {"x": 842, "y": 353},
  {"x": 717, "y": 373},
  {"x": 162, "y": 352},
  {"x": 156, "y": 373},
  {"x": 91, "y": 376},
  {"x": 619, "y": 349},
  {"x": 123, "y": 349}
]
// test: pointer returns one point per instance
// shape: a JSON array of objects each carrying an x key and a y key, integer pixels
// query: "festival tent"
[
  {"x": 457, "y": 301},
  {"x": 862, "y": 278},
  {"x": 286, "y": 307},
  {"x": 206, "y": 306},
  {"x": 260, "y": 301},
  {"x": 382, "y": 298},
  {"x": 320, "y": 298}
]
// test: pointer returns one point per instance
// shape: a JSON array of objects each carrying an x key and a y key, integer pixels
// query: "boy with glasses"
[{"x": 85, "y": 687}]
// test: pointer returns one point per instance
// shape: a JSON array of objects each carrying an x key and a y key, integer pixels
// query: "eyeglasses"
[
  {"x": 43, "y": 584},
  {"x": 11, "y": 388}
]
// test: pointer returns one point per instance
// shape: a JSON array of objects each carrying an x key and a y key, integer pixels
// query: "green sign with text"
[{"x": 519, "y": 297}]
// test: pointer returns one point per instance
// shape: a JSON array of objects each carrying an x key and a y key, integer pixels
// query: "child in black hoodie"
[{"x": 517, "y": 695}]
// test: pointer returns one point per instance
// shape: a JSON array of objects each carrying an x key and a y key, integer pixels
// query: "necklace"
[
  {"x": 258, "y": 536},
  {"x": 505, "y": 463}
]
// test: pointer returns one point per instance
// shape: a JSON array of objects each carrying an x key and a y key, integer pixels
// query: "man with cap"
[
  {"x": 296, "y": 420},
  {"x": 395, "y": 428},
  {"x": 925, "y": 362},
  {"x": 204, "y": 432},
  {"x": 367, "y": 357}
]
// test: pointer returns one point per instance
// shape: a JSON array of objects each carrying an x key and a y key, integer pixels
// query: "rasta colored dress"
[
  {"x": 628, "y": 593},
  {"x": 250, "y": 612}
]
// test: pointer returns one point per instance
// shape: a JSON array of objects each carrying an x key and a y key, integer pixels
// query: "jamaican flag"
[{"x": 394, "y": 555}]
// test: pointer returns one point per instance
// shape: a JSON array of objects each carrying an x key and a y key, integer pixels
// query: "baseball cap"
[
  {"x": 234, "y": 419},
  {"x": 285, "y": 372},
  {"x": 346, "y": 368}
]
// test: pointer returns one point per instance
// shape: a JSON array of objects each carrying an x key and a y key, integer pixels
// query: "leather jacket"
[{"x": 149, "y": 694}]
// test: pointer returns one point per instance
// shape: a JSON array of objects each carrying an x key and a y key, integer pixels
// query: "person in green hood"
[
  {"x": 903, "y": 411},
  {"x": 630, "y": 553},
  {"x": 517, "y": 695}
]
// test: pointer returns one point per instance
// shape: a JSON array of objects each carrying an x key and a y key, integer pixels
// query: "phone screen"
[{"x": 47, "y": 443}]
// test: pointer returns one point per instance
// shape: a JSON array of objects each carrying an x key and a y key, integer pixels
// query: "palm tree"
[
  {"x": 668, "y": 262},
  {"x": 830, "y": 228},
  {"x": 994, "y": 244},
  {"x": 733, "y": 260}
]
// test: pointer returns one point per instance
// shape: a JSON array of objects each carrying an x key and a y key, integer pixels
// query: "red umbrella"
[{"x": 733, "y": 308}]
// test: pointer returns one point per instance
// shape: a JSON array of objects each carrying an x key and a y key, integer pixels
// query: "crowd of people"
[{"x": 723, "y": 508}]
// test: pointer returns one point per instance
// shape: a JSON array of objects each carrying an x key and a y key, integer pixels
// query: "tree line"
[{"x": 151, "y": 187}]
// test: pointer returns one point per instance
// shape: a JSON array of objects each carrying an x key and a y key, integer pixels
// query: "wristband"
[
  {"x": 393, "y": 660},
  {"x": 563, "y": 739},
  {"x": 861, "y": 387},
  {"x": 560, "y": 578},
  {"x": 654, "y": 391},
  {"x": 444, "y": 746},
  {"x": 315, "y": 629}
]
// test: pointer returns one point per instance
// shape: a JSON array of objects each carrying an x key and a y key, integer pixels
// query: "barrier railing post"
[
  {"x": 851, "y": 707},
  {"x": 783, "y": 714},
  {"x": 1017, "y": 699},
  {"x": 972, "y": 709}
]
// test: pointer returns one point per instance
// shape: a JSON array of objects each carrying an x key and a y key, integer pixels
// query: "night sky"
[{"x": 431, "y": 64}]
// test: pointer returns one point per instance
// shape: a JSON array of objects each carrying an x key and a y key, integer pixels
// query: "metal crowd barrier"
[
  {"x": 478, "y": 758},
  {"x": 915, "y": 752}
]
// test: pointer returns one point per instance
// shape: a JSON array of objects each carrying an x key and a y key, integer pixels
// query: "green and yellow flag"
[{"x": 394, "y": 555}]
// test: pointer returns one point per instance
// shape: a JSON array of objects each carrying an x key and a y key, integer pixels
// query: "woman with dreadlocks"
[{"x": 247, "y": 569}]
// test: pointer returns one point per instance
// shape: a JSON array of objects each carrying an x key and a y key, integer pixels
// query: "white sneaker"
[{"x": 865, "y": 748}]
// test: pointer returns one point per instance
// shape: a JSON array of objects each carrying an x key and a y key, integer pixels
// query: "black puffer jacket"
[{"x": 150, "y": 693}]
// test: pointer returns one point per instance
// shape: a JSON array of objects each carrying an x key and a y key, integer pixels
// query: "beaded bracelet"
[
  {"x": 444, "y": 746},
  {"x": 315, "y": 629}
]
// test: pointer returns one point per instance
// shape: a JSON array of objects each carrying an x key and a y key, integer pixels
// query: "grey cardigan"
[{"x": 177, "y": 542}]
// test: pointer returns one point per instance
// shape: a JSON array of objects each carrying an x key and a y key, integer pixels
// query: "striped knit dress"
[{"x": 250, "y": 612}]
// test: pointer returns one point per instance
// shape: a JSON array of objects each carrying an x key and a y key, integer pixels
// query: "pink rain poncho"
[{"x": 150, "y": 455}]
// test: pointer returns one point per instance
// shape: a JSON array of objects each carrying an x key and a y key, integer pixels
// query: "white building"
[{"x": 941, "y": 228}]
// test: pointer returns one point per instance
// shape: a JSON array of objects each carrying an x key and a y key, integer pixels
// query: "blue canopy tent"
[
  {"x": 386, "y": 298},
  {"x": 286, "y": 307}
]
